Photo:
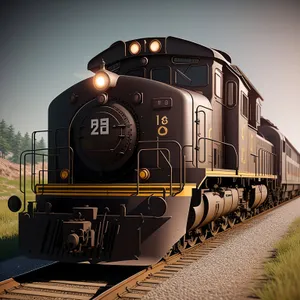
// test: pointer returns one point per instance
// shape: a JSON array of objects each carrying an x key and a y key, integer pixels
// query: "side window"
[
  {"x": 161, "y": 74},
  {"x": 258, "y": 111},
  {"x": 139, "y": 72},
  {"x": 245, "y": 106},
  {"x": 283, "y": 146},
  {"x": 218, "y": 84},
  {"x": 231, "y": 93}
]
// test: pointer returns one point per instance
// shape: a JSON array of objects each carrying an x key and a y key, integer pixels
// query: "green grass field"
[
  {"x": 283, "y": 271},
  {"x": 8, "y": 219}
]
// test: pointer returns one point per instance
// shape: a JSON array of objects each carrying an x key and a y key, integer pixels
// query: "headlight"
[
  {"x": 135, "y": 48},
  {"x": 101, "y": 81},
  {"x": 155, "y": 46}
]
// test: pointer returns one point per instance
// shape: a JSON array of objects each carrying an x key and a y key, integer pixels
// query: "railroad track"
[
  {"x": 54, "y": 289},
  {"x": 69, "y": 281},
  {"x": 64, "y": 281}
]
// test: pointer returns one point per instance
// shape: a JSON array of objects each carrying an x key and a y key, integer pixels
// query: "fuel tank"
[
  {"x": 212, "y": 206},
  {"x": 258, "y": 195}
]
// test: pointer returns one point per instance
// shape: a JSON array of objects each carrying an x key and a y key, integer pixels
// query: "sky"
[{"x": 46, "y": 45}]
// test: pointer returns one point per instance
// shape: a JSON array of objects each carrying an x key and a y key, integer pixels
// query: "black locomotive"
[{"x": 164, "y": 145}]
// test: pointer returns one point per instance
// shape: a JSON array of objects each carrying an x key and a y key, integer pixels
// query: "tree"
[
  {"x": 40, "y": 145},
  {"x": 3, "y": 127},
  {"x": 17, "y": 148},
  {"x": 4, "y": 146},
  {"x": 10, "y": 137},
  {"x": 26, "y": 145}
]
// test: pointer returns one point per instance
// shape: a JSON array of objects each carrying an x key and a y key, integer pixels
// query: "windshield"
[{"x": 191, "y": 76}]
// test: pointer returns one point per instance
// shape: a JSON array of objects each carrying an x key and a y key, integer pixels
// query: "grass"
[
  {"x": 283, "y": 271},
  {"x": 8, "y": 219}
]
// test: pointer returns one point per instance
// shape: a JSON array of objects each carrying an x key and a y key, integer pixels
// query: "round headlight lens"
[
  {"x": 155, "y": 46},
  {"x": 135, "y": 48},
  {"x": 101, "y": 81}
]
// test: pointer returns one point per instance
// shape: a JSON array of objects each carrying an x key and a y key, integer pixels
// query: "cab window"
[
  {"x": 258, "y": 113},
  {"x": 161, "y": 74},
  {"x": 231, "y": 93},
  {"x": 245, "y": 106},
  {"x": 218, "y": 84},
  {"x": 192, "y": 76}
]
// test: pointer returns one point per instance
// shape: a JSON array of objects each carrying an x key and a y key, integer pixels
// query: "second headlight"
[{"x": 101, "y": 81}]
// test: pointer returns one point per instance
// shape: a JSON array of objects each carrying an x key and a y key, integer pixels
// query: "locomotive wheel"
[
  {"x": 181, "y": 244},
  {"x": 214, "y": 228},
  {"x": 243, "y": 217},
  {"x": 231, "y": 221},
  {"x": 192, "y": 240},
  {"x": 224, "y": 223},
  {"x": 202, "y": 234}
]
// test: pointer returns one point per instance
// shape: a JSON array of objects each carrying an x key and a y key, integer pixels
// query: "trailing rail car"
[{"x": 162, "y": 147}]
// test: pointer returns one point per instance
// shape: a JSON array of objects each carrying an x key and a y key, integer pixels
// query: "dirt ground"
[{"x": 11, "y": 170}]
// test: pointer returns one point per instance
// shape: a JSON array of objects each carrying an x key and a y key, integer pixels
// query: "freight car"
[{"x": 164, "y": 145}]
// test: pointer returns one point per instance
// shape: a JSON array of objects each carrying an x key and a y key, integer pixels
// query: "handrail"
[
  {"x": 33, "y": 145},
  {"x": 23, "y": 157},
  {"x": 167, "y": 160},
  {"x": 181, "y": 166},
  {"x": 33, "y": 139},
  {"x": 33, "y": 174},
  {"x": 205, "y": 124},
  {"x": 223, "y": 143}
]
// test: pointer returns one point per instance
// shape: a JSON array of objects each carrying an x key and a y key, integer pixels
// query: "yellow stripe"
[
  {"x": 124, "y": 190},
  {"x": 232, "y": 173},
  {"x": 109, "y": 186}
]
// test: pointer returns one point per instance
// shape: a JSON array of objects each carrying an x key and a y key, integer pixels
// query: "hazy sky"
[{"x": 46, "y": 45}]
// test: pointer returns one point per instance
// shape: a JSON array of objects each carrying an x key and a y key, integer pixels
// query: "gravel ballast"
[{"x": 226, "y": 272}]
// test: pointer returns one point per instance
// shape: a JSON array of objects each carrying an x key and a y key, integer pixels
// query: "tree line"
[{"x": 13, "y": 144}]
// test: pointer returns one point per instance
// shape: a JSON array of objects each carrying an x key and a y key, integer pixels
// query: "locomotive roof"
[
  {"x": 170, "y": 45},
  {"x": 246, "y": 80}
]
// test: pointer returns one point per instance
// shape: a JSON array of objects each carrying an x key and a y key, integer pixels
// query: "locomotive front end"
[{"x": 123, "y": 199}]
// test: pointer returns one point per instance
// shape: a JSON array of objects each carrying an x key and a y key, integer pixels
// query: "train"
[{"x": 162, "y": 147}]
